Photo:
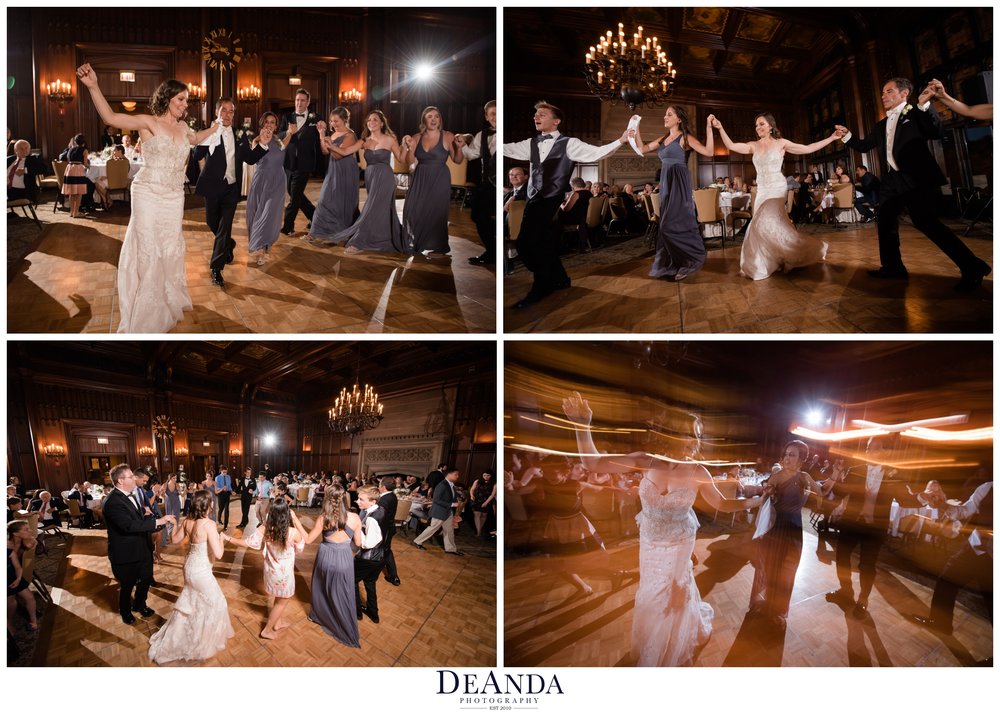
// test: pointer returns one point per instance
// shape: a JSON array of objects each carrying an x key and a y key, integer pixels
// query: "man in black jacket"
[
  {"x": 130, "y": 548},
  {"x": 369, "y": 560},
  {"x": 23, "y": 172},
  {"x": 301, "y": 155},
  {"x": 387, "y": 501}
]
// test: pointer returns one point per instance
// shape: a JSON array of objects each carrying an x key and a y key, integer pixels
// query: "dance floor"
[
  {"x": 611, "y": 292},
  {"x": 443, "y": 614},
  {"x": 547, "y": 624},
  {"x": 67, "y": 283}
]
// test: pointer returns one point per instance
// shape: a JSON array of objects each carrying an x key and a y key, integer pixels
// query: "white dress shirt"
[
  {"x": 471, "y": 150},
  {"x": 576, "y": 150},
  {"x": 371, "y": 533},
  {"x": 892, "y": 118}
]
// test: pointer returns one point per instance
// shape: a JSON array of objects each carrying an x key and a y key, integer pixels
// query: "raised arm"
[
  {"x": 453, "y": 149},
  {"x": 708, "y": 148},
  {"x": 979, "y": 111},
  {"x": 577, "y": 409},
  {"x": 800, "y": 149},
  {"x": 88, "y": 78},
  {"x": 739, "y": 148},
  {"x": 645, "y": 148}
]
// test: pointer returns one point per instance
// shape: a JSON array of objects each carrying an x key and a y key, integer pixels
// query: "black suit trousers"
[
  {"x": 367, "y": 571},
  {"x": 138, "y": 576},
  {"x": 964, "y": 569},
  {"x": 484, "y": 216},
  {"x": 389, "y": 560},
  {"x": 869, "y": 541},
  {"x": 921, "y": 202},
  {"x": 223, "y": 514},
  {"x": 296, "y": 182},
  {"x": 245, "y": 500},
  {"x": 538, "y": 244},
  {"x": 219, "y": 212}
]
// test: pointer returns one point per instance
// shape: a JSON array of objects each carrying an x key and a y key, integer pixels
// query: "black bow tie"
[
  {"x": 299, "y": 115},
  {"x": 544, "y": 137},
  {"x": 490, "y": 132}
]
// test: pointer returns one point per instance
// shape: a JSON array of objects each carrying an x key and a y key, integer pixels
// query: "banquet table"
[
  {"x": 99, "y": 168},
  {"x": 897, "y": 513}
]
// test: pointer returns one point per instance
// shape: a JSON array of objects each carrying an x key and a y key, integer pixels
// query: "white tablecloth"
[
  {"x": 293, "y": 491},
  {"x": 99, "y": 168},
  {"x": 896, "y": 514}
]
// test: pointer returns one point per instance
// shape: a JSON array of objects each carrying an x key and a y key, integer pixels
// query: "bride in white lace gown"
[
  {"x": 199, "y": 625},
  {"x": 669, "y": 621},
  {"x": 152, "y": 283},
  {"x": 772, "y": 241}
]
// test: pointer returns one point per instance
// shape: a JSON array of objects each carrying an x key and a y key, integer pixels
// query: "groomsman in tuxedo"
[
  {"x": 247, "y": 488},
  {"x": 223, "y": 492},
  {"x": 130, "y": 548},
  {"x": 484, "y": 149},
  {"x": 301, "y": 155},
  {"x": 23, "y": 171},
  {"x": 369, "y": 560},
  {"x": 442, "y": 515},
  {"x": 221, "y": 182},
  {"x": 388, "y": 502},
  {"x": 910, "y": 180},
  {"x": 553, "y": 157}
]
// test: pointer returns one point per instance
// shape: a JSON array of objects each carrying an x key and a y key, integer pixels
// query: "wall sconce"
[
  {"x": 234, "y": 452},
  {"x": 126, "y": 76},
  {"x": 128, "y": 106},
  {"x": 59, "y": 93},
  {"x": 352, "y": 96},
  {"x": 147, "y": 451},
  {"x": 181, "y": 452},
  {"x": 196, "y": 92},
  {"x": 55, "y": 452},
  {"x": 249, "y": 94}
]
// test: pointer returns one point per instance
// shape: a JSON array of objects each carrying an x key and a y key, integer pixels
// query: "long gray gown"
[
  {"x": 377, "y": 228},
  {"x": 680, "y": 249},
  {"x": 425, "y": 213},
  {"x": 266, "y": 198},
  {"x": 338, "y": 199},
  {"x": 333, "y": 593}
]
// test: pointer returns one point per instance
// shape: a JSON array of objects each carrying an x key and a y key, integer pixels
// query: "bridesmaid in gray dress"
[
  {"x": 333, "y": 594},
  {"x": 337, "y": 206},
  {"x": 378, "y": 227},
  {"x": 425, "y": 213},
  {"x": 266, "y": 197}
]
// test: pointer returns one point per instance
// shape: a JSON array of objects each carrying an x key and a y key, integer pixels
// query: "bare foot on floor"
[{"x": 268, "y": 634}]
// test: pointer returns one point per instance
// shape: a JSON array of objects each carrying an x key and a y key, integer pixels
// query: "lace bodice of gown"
[
  {"x": 666, "y": 517},
  {"x": 770, "y": 181},
  {"x": 163, "y": 161}
]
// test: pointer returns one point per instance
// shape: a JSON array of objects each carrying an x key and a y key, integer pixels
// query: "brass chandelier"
[
  {"x": 357, "y": 410},
  {"x": 632, "y": 70}
]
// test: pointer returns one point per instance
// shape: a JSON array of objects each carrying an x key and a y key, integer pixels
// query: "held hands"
[
  {"x": 460, "y": 140},
  {"x": 406, "y": 142},
  {"x": 87, "y": 75},
  {"x": 623, "y": 139},
  {"x": 321, "y": 127},
  {"x": 712, "y": 122},
  {"x": 266, "y": 134},
  {"x": 577, "y": 409},
  {"x": 292, "y": 128},
  {"x": 841, "y": 131},
  {"x": 716, "y": 124}
]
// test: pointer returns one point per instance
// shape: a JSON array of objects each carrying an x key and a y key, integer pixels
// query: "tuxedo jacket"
[
  {"x": 909, "y": 147},
  {"x": 212, "y": 181},
  {"x": 303, "y": 150},
  {"x": 128, "y": 530},
  {"x": 853, "y": 487},
  {"x": 518, "y": 194},
  {"x": 444, "y": 496},
  {"x": 34, "y": 168},
  {"x": 36, "y": 505},
  {"x": 388, "y": 502},
  {"x": 869, "y": 186}
]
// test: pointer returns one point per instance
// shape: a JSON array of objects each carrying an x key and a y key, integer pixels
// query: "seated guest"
[
  {"x": 81, "y": 494},
  {"x": 933, "y": 496},
  {"x": 23, "y": 172},
  {"x": 13, "y": 508},
  {"x": 118, "y": 153},
  {"x": 840, "y": 175},
  {"x": 108, "y": 138},
  {"x": 818, "y": 176},
  {"x": 412, "y": 483},
  {"x": 48, "y": 514},
  {"x": 127, "y": 145},
  {"x": 573, "y": 211},
  {"x": 867, "y": 184}
]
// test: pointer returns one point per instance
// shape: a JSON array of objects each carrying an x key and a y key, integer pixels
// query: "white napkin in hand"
[
  {"x": 633, "y": 123},
  {"x": 214, "y": 140}
]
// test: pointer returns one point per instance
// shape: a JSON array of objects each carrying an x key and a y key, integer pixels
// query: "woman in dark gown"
[
  {"x": 266, "y": 197},
  {"x": 378, "y": 227},
  {"x": 780, "y": 549},
  {"x": 337, "y": 206},
  {"x": 680, "y": 250},
  {"x": 333, "y": 588},
  {"x": 425, "y": 213}
]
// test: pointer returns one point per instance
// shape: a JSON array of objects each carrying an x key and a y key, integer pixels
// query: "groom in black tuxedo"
[
  {"x": 130, "y": 548},
  {"x": 301, "y": 155},
  {"x": 221, "y": 183},
  {"x": 910, "y": 180}
]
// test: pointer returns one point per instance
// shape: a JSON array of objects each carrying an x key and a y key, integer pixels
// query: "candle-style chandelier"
[
  {"x": 59, "y": 93},
  {"x": 357, "y": 410},
  {"x": 632, "y": 70}
]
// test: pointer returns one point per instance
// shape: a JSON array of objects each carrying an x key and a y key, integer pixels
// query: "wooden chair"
[
  {"x": 29, "y": 576},
  {"x": 402, "y": 515},
  {"x": 75, "y": 512},
  {"x": 459, "y": 183},
  {"x": 843, "y": 200},
  {"x": 514, "y": 215},
  {"x": 729, "y": 488},
  {"x": 302, "y": 496},
  {"x": 618, "y": 225},
  {"x": 596, "y": 210},
  {"x": 653, "y": 214},
  {"x": 26, "y": 206},
  {"x": 118, "y": 177},
  {"x": 706, "y": 202},
  {"x": 59, "y": 167},
  {"x": 742, "y": 210}
]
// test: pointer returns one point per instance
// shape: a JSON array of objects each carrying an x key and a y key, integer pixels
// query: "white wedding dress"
[
  {"x": 152, "y": 283},
  {"x": 198, "y": 626},
  {"x": 772, "y": 241},
  {"x": 669, "y": 620}
]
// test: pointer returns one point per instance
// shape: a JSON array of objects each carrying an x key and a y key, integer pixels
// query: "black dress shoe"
[
  {"x": 217, "y": 278},
  {"x": 482, "y": 260},
  {"x": 454, "y": 552},
  {"x": 530, "y": 299},
  {"x": 229, "y": 258},
  {"x": 417, "y": 545},
  {"x": 562, "y": 284},
  {"x": 886, "y": 274},
  {"x": 840, "y": 597},
  {"x": 931, "y": 624},
  {"x": 287, "y": 233},
  {"x": 394, "y": 581},
  {"x": 971, "y": 282},
  {"x": 373, "y": 618},
  {"x": 144, "y": 611},
  {"x": 127, "y": 618}
]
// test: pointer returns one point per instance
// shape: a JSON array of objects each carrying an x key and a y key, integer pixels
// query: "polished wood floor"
[
  {"x": 68, "y": 283},
  {"x": 443, "y": 613},
  {"x": 548, "y": 624},
  {"x": 611, "y": 292}
]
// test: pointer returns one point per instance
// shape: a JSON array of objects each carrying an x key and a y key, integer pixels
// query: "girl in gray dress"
[
  {"x": 378, "y": 227},
  {"x": 337, "y": 206},
  {"x": 266, "y": 198},
  {"x": 425, "y": 213}
]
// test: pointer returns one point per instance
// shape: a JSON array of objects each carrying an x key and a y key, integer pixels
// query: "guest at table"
[
  {"x": 841, "y": 175},
  {"x": 81, "y": 494},
  {"x": 23, "y": 172},
  {"x": 866, "y": 193},
  {"x": 13, "y": 508},
  {"x": 19, "y": 539},
  {"x": 108, "y": 138},
  {"x": 48, "y": 512}
]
